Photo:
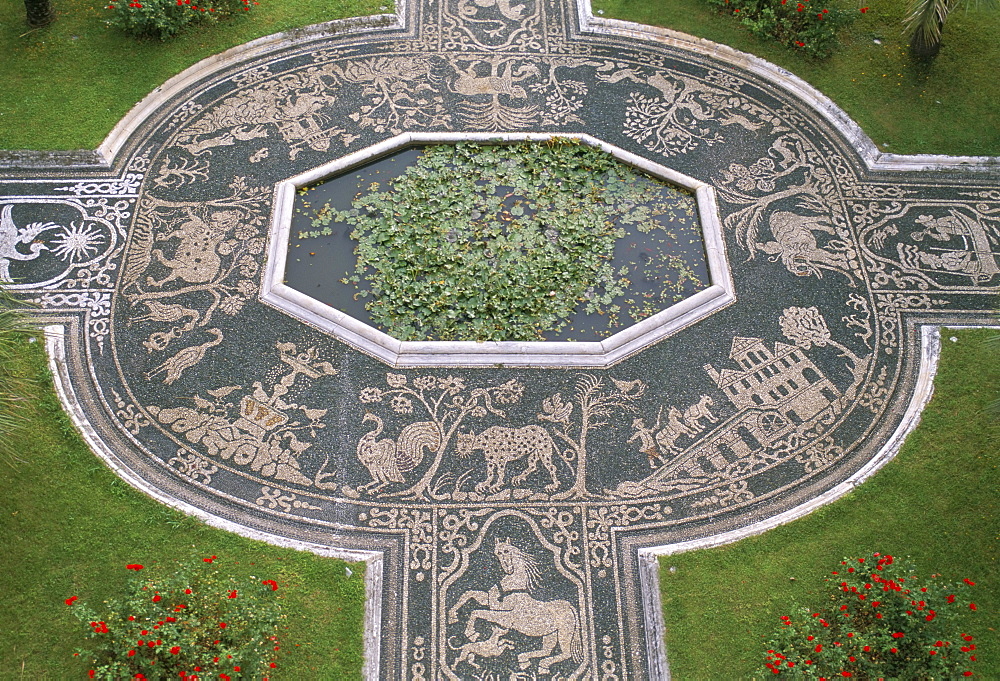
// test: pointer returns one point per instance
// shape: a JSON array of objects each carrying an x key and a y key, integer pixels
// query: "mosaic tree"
[
  {"x": 597, "y": 403},
  {"x": 447, "y": 402},
  {"x": 806, "y": 327}
]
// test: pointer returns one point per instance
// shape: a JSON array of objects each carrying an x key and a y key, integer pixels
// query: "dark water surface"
[{"x": 316, "y": 265}]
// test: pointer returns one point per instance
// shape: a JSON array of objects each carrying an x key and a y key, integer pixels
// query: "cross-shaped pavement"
[{"x": 507, "y": 496}]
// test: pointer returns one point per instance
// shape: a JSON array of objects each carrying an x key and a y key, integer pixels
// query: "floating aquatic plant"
[{"x": 508, "y": 241}]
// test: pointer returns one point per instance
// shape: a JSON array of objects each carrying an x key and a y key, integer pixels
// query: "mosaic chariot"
[{"x": 508, "y": 503}]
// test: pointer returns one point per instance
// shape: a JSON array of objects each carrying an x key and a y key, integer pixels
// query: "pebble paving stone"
[{"x": 507, "y": 501}]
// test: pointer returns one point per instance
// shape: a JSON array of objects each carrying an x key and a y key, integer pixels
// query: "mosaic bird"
[
  {"x": 11, "y": 236},
  {"x": 164, "y": 312},
  {"x": 388, "y": 459},
  {"x": 185, "y": 359},
  {"x": 630, "y": 388}
]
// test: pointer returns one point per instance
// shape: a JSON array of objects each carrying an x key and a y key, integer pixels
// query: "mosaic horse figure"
[
  {"x": 675, "y": 428},
  {"x": 694, "y": 414},
  {"x": 512, "y": 607}
]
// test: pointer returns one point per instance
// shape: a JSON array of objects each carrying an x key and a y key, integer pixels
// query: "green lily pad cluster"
[{"x": 507, "y": 241}]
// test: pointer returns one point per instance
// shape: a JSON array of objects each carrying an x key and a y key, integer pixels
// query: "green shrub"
[
  {"x": 184, "y": 620},
  {"x": 165, "y": 18},
  {"x": 795, "y": 23},
  {"x": 879, "y": 619}
]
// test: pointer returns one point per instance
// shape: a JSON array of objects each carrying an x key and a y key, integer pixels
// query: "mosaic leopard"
[{"x": 502, "y": 445}]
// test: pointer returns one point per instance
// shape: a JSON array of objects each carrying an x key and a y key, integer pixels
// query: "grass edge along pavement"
[
  {"x": 67, "y": 85},
  {"x": 944, "y": 106},
  {"x": 69, "y": 525},
  {"x": 938, "y": 501},
  {"x": 815, "y": 573}
]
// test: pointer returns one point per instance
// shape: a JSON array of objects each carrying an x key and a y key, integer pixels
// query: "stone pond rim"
[
  {"x": 416, "y": 245},
  {"x": 717, "y": 295}
]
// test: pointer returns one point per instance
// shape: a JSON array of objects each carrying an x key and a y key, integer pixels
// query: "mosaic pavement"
[{"x": 506, "y": 506}]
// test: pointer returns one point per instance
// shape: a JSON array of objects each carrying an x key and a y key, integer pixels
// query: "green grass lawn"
[
  {"x": 938, "y": 501},
  {"x": 68, "y": 527},
  {"x": 67, "y": 523},
  {"x": 948, "y": 107},
  {"x": 67, "y": 85}
]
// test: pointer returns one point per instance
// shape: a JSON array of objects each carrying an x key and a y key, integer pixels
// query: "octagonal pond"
[{"x": 552, "y": 240}]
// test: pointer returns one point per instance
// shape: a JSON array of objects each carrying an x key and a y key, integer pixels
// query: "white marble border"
[
  {"x": 106, "y": 153},
  {"x": 396, "y": 353},
  {"x": 930, "y": 336},
  {"x": 649, "y": 572},
  {"x": 55, "y": 347},
  {"x": 788, "y": 81}
]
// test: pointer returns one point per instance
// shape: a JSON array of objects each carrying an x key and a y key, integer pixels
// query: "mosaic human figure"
[{"x": 647, "y": 440}]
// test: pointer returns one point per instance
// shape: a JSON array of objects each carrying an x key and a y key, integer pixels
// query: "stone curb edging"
[
  {"x": 55, "y": 347},
  {"x": 115, "y": 151},
  {"x": 631, "y": 339},
  {"x": 652, "y": 605},
  {"x": 105, "y": 156},
  {"x": 874, "y": 158},
  {"x": 648, "y": 558}
]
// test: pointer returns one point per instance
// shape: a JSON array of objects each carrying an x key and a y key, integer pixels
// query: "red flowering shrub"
[
  {"x": 810, "y": 28},
  {"x": 185, "y": 621},
  {"x": 880, "y": 619},
  {"x": 165, "y": 18}
]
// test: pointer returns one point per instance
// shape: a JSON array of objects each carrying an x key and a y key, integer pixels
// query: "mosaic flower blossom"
[
  {"x": 369, "y": 395},
  {"x": 401, "y": 404},
  {"x": 424, "y": 383},
  {"x": 451, "y": 385},
  {"x": 510, "y": 392}
]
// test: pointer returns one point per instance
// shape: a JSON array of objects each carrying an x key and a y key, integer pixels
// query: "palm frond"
[
  {"x": 925, "y": 22},
  {"x": 976, "y": 4}
]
